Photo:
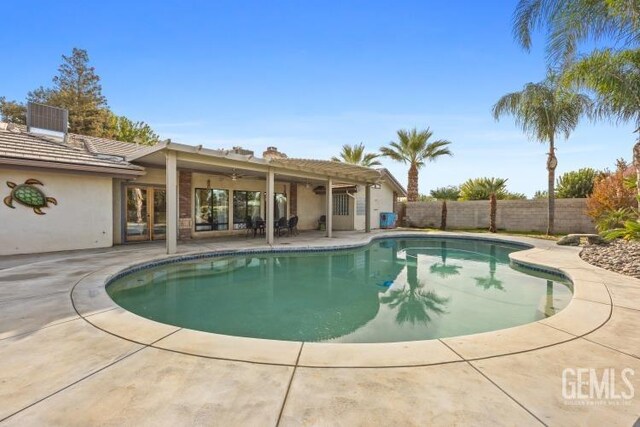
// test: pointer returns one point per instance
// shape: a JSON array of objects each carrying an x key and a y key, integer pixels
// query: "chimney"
[{"x": 273, "y": 153}]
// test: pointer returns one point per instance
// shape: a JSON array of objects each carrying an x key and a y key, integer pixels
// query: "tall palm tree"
[
  {"x": 355, "y": 155},
  {"x": 615, "y": 79},
  {"x": 545, "y": 110},
  {"x": 571, "y": 22},
  {"x": 613, "y": 74},
  {"x": 413, "y": 148}
]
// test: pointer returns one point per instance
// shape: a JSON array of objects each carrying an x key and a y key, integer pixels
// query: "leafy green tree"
[
  {"x": 12, "y": 111},
  {"x": 413, "y": 148},
  {"x": 544, "y": 111},
  {"x": 355, "y": 155},
  {"x": 576, "y": 184},
  {"x": 123, "y": 129},
  {"x": 451, "y": 192},
  {"x": 76, "y": 88}
]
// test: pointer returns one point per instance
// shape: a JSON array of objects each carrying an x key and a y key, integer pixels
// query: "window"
[
  {"x": 245, "y": 204},
  {"x": 211, "y": 209},
  {"x": 280, "y": 206},
  {"x": 341, "y": 204}
]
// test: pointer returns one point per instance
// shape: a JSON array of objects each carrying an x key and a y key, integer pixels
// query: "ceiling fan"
[{"x": 234, "y": 175}]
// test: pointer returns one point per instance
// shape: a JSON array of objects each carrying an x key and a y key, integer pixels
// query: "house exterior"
[{"x": 103, "y": 192}]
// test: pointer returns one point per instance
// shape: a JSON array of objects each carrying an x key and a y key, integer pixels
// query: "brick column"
[
  {"x": 184, "y": 209},
  {"x": 293, "y": 199}
]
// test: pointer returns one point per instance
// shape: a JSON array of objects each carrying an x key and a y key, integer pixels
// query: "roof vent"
[
  {"x": 242, "y": 151},
  {"x": 46, "y": 117}
]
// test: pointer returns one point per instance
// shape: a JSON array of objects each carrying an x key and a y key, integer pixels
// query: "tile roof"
[
  {"x": 104, "y": 146},
  {"x": 18, "y": 145}
]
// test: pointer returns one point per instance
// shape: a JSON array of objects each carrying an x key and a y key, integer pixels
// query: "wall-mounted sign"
[{"x": 28, "y": 195}]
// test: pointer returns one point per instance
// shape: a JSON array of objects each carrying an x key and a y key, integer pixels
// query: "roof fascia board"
[{"x": 116, "y": 172}]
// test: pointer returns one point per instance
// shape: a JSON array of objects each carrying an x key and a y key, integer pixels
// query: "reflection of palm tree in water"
[
  {"x": 441, "y": 268},
  {"x": 415, "y": 304},
  {"x": 490, "y": 281}
]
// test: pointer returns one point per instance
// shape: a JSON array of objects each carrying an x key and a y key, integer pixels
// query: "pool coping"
[{"x": 589, "y": 309}]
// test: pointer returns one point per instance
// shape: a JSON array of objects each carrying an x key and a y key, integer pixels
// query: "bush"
[
  {"x": 630, "y": 231},
  {"x": 610, "y": 193},
  {"x": 611, "y": 220},
  {"x": 576, "y": 184}
]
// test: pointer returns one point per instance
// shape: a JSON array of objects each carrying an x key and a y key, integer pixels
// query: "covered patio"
[{"x": 184, "y": 164}]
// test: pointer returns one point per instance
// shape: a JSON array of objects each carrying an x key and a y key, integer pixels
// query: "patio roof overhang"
[
  {"x": 222, "y": 161},
  {"x": 174, "y": 156}
]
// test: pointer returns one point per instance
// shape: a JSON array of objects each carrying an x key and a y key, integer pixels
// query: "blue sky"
[{"x": 308, "y": 76}]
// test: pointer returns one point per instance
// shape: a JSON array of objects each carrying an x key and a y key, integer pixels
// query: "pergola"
[{"x": 173, "y": 156}]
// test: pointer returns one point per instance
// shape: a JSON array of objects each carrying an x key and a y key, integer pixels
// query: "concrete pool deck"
[{"x": 70, "y": 356}]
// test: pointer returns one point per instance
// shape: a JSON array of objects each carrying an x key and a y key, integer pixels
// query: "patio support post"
[
  {"x": 329, "y": 220},
  {"x": 270, "y": 206},
  {"x": 367, "y": 208},
  {"x": 172, "y": 202}
]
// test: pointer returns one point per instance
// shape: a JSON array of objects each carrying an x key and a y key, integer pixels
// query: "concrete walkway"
[{"x": 70, "y": 356}]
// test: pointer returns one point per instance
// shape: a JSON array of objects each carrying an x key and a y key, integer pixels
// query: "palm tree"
[
  {"x": 570, "y": 22},
  {"x": 615, "y": 79},
  {"x": 413, "y": 148},
  {"x": 612, "y": 74},
  {"x": 544, "y": 110},
  {"x": 493, "y": 186},
  {"x": 355, "y": 155}
]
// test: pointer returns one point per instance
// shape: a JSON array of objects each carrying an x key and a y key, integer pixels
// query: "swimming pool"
[{"x": 394, "y": 289}]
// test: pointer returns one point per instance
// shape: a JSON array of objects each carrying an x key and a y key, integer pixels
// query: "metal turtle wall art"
[{"x": 28, "y": 195}]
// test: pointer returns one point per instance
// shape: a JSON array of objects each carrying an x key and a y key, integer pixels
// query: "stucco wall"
[
  {"x": 82, "y": 219},
  {"x": 310, "y": 207},
  {"x": 512, "y": 215},
  {"x": 381, "y": 201}
]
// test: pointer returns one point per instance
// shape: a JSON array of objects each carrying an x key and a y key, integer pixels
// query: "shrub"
[
  {"x": 611, "y": 220},
  {"x": 630, "y": 231},
  {"x": 576, "y": 184},
  {"x": 610, "y": 193}
]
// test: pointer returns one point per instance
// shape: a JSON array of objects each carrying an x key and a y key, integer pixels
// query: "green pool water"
[{"x": 391, "y": 290}]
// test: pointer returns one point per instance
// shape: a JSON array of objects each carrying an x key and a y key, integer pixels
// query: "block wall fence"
[{"x": 512, "y": 215}]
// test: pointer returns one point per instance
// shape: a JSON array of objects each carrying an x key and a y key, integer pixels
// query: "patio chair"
[
  {"x": 281, "y": 226},
  {"x": 322, "y": 223},
  {"x": 250, "y": 226},
  {"x": 293, "y": 225},
  {"x": 258, "y": 226}
]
